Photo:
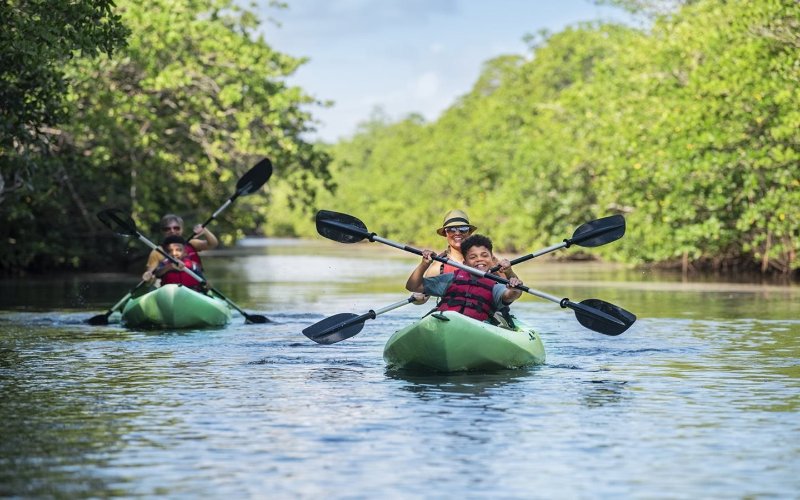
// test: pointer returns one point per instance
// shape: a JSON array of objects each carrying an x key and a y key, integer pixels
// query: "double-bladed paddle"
[
  {"x": 592, "y": 234},
  {"x": 249, "y": 183},
  {"x": 594, "y": 314},
  {"x": 125, "y": 226},
  {"x": 345, "y": 325}
]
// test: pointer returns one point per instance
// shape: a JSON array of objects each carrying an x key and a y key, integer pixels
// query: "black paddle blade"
[
  {"x": 118, "y": 221},
  {"x": 340, "y": 227},
  {"x": 255, "y": 318},
  {"x": 255, "y": 178},
  {"x": 587, "y": 314},
  {"x": 598, "y": 232},
  {"x": 100, "y": 319},
  {"x": 334, "y": 329}
]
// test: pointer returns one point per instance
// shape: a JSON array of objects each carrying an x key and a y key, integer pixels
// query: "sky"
[{"x": 405, "y": 56}]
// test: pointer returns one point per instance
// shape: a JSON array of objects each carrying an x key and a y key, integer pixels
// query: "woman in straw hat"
[{"x": 456, "y": 227}]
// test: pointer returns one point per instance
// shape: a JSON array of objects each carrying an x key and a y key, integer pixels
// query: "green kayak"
[
  {"x": 449, "y": 342},
  {"x": 175, "y": 306}
]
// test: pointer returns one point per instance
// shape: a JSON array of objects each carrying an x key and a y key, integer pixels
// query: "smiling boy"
[{"x": 460, "y": 291}]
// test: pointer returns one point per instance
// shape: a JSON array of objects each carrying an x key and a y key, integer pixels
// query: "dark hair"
[
  {"x": 476, "y": 240},
  {"x": 173, "y": 238}
]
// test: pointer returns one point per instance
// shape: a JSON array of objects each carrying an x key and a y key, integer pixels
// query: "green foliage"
[
  {"x": 649, "y": 8},
  {"x": 690, "y": 129},
  {"x": 703, "y": 143},
  {"x": 168, "y": 125},
  {"x": 189, "y": 107},
  {"x": 39, "y": 38}
]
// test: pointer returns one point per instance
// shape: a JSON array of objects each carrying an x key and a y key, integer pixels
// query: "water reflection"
[
  {"x": 699, "y": 398},
  {"x": 470, "y": 385},
  {"x": 596, "y": 393}
]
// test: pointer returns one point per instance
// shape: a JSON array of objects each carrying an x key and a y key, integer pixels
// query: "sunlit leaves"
[{"x": 690, "y": 129}]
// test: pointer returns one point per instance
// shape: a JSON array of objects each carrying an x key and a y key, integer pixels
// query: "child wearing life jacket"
[
  {"x": 172, "y": 224},
  {"x": 175, "y": 246},
  {"x": 460, "y": 291}
]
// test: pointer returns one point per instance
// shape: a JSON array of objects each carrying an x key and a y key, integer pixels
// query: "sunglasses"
[
  {"x": 457, "y": 229},
  {"x": 171, "y": 228}
]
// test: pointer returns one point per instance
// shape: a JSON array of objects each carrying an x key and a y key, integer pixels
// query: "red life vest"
[
  {"x": 468, "y": 295},
  {"x": 176, "y": 277},
  {"x": 446, "y": 268},
  {"x": 192, "y": 254}
]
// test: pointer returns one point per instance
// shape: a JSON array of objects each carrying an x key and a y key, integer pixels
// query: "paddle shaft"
[
  {"x": 219, "y": 211},
  {"x": 564, "y": 303},
  {"x": 476, "y": 272},
  {"x": 535, "y": 254},
  {"x": 125, "y": 298},
  {"x": 466, "y": 268},
  {"x": 371, "y": 314},
  {"x": 249, "y": 183},
  {"x": 614, "y": 223}
]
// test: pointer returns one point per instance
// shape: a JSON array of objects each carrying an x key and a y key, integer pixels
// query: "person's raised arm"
[
  {"x": 211, "y": 242},
  {"x": 415, "y": 282}
]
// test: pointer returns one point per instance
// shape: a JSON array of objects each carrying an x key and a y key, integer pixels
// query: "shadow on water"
[
  {"x": 596, "y": 393},
  {"x": 428, "y": 385}
]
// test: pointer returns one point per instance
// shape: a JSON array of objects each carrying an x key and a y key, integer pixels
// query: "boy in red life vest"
[
  {"x": 175, "y": 246},
  {"x": 460, "y": 291}
]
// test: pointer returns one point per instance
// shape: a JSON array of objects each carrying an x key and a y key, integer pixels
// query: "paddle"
[
  {"x": 345, "y": 325},
  {"x": 249, "y": 183},
  {"x": 125, "y": 226},
  {"x": 102, "y": 319},
  {"x": 592, "y": 234},
  {"x": 594, "y": 314}
]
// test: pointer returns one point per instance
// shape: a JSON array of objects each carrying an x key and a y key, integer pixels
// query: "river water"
[{"x": 699, "y": 399}]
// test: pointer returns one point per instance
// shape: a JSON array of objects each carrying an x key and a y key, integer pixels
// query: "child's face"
[
  {"x": 175, "y": 250},
  {"x": 479, "y": 257}
]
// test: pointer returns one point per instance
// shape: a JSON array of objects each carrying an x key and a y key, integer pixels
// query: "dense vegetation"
[
  {"x": 689, "y": 128},
  {"x": 167, "y": 123}
]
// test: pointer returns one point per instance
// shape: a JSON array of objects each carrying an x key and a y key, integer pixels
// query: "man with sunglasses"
[{"x": 172, "y": 225}]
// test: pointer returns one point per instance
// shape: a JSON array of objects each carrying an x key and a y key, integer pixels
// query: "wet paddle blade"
[
  {"x": 255, "y": 178},
  {"x": 588, "y": 316},
  {"x": 256, "y": 318},
  {"x": 118, "y": 221},
  {"x": 334, "y": 329},
  {"x": 340, "y": 227},
  {"x": 599, "y": 232},
  {"x": 99, "y": 320}
]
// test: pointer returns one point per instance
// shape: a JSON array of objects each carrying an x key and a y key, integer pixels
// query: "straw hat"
[{"x": 455, "y": 218}]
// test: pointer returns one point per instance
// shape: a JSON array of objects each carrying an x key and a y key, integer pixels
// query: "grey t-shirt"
[{"x": 437, "y": 285}]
